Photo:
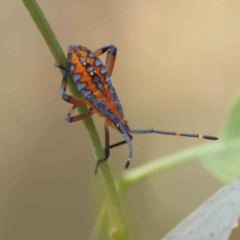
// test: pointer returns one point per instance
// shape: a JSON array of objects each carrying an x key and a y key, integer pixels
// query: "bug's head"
[{"x": 123, "y": 127}]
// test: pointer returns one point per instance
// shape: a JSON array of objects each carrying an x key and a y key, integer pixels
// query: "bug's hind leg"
[
  {"x": 71, "y": 99},
  {"x": 66, "y": 97},
  {"x": 111, "y": 56},
  {"x": 79, "y": 117}
]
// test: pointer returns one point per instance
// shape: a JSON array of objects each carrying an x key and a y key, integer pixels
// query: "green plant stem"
[
  {"x": 117, "y": 225},
  {"x": 99, "y": 230}
]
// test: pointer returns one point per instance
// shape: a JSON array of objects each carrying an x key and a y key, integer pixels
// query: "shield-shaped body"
[{"x": 92, "y": 80}]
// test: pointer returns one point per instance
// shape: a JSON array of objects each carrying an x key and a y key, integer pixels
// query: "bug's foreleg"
[
  {"x": 106, "y": 149},
  {"x": 79, "y": 117},
  {"x": 111, "y": 56},
  {"x": 144, "y": 131},
  {"x": 65, "y": 96}
]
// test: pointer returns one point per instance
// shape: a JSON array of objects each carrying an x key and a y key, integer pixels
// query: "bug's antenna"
[
  {"x": 128, "y": 141},
  {"x": 144, "y": 131}
]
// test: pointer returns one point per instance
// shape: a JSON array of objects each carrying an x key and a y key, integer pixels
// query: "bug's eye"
[
  {"x": 115, "y": 96},
  {"x": 101, "y": 105}
]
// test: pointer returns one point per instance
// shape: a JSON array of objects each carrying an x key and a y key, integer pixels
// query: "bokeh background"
[{"x": 177, "y": 69}]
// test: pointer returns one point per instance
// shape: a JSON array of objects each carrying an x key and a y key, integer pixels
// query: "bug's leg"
[
  {"x": 111, "y": 56},
  {"x": 120, "y": 143},
  {"x": 79, "y": 117},
  {"x": 140, "y": 131},
  {"x": 106, "y": 149},
  {"x": 66, "y": 97}
]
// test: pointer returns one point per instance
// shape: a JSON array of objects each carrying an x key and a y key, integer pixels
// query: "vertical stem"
[{"x": 116, "y": 224}]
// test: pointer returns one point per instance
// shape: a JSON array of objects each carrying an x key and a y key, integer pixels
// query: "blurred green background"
[{"x": 177, "y": 69}]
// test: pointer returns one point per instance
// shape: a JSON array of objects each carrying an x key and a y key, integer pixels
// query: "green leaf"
[
  {"x": 215, "y": 219},
  {"x": 225, "y": 165}
]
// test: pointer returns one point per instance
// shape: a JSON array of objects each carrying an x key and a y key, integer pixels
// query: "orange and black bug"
[{"x": 92, "y": 79}]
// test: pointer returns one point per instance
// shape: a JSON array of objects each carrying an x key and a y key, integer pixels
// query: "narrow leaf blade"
[{"x": 215, "y": 219}]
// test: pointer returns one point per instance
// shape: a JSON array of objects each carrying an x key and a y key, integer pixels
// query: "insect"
[{"x": 92, "y": 79}]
